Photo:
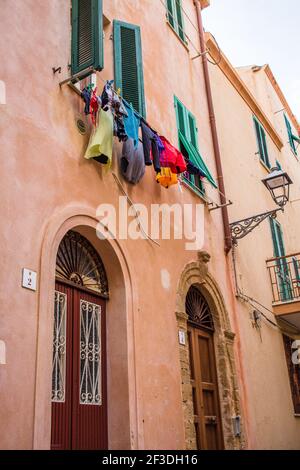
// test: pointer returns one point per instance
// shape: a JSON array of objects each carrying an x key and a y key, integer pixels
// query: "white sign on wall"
[
  {"x": 181, "y": 335},
  {"x": 2, "y": 352},
  {"x": 2, "y": 92},
  {"x": 29, "y": 279}
]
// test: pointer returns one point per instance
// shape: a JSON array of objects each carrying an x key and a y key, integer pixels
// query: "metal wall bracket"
[
  {"x": 218, "y": 206},
  {"x": 78, "y": 76},
  {"x": 241, "y": 228}
]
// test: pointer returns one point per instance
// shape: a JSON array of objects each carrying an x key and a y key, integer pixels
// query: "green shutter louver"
[
  {"x": 180, "y": 114},
  {"x": 282, "y": 268},
  {"x": 129, "y": 65},
  {"x": 261, "y": 142},
  {"x": 179, "y": 20},
  {"x": 193, "y": 130},
  {"x": 87, "y": 35},
  {"x": 170, "y": 13},
  {"x": 188, "y": 144},
  {"x": 196, "y": 158},
  {"x": 292, "y": 138},
  {"x": 175, "y": 17}
]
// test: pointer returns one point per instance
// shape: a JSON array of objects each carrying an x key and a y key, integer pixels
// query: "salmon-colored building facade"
[{"x": 126, "y": 343}]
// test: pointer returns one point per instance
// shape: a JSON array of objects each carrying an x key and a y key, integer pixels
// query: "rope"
[{"x": 136, "y": 212}]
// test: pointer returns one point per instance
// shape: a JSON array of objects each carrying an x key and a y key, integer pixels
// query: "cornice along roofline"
[
  {"x": 279, "y": 92},
  {"x": 234, "y": 78}
]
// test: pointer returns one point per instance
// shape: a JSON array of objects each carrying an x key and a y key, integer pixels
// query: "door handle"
[{"x": 211, "y": 419}]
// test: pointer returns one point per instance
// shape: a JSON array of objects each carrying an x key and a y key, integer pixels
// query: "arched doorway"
[
  {"x": 203, "y": 372},
  {"x": 196, "y": 274},
  {"x": 79, "y": 384}
]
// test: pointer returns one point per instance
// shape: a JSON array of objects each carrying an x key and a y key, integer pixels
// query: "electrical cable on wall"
[{"x": 199, "y": 54}]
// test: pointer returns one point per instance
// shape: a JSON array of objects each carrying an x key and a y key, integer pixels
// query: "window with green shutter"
[
  {"x": 262, "y": 142},
  {"x": 282, "y": 267},
  {"x": 293, "y": 140},
  {"x": 175, "y": 17},
  {"x": 128, "y": 64},
  {"x": 188, "y": 144},
  {"x": 87, "y": 35}
]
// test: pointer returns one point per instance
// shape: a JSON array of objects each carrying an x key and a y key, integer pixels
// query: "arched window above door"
[
  {"x": 198, "y": 310},
  {"x": 78, "y": 263}
]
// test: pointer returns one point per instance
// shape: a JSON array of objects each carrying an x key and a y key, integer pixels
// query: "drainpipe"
[{"x": 212, "y": 119}]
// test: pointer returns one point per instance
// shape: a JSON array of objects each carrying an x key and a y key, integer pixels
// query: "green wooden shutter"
[
  {"x": 261, "y": 142},
  {"x": 265, "y": 148},
  {"x": 290, "y": 134},
  {"x": 128, "y": 63},
  {"x": 180, "y": 118},
  {"x": 170, "y": 13},
  {"x": 188, "y": 144},
  {"x": 283, "y": 271},
  {"x": 179, "y": 19},
  {"x": 87, "y": 35},
  {"x": 258, "y": 137},
  {"x": 277, "y": 237},
  {"x": 193, "y": 130},
  {"x": 296, "y": 269}
]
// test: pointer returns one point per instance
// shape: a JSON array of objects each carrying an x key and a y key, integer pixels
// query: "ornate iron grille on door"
[{"x": 198, "y": 309}]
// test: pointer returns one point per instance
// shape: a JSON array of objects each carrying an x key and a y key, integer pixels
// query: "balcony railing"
[{"x": 285, "y": 277}]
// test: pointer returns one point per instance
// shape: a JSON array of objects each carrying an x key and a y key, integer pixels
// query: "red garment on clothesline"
[{"x": 171, "y": 157}]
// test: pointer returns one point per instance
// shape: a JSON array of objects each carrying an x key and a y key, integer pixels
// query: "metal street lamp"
[{"x": 278, "y": 183}]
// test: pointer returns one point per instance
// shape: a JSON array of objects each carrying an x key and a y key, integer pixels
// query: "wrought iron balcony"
[{"x": 285, "y": 278}]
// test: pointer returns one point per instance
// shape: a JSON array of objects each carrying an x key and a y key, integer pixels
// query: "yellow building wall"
[{"x": 270, "y": 412}]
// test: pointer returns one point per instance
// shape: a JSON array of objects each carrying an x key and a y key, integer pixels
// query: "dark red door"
[{"x": 79, "y": 399}]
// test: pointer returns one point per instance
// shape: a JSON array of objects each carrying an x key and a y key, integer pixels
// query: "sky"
[{"x": 260, "y": 32}]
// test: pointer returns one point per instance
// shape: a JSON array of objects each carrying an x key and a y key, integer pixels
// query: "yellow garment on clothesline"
[
  {"x": 101, "y": 140},
  {"x": 166, "y": 178}
]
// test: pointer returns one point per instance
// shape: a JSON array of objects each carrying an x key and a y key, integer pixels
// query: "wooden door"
[
  {"x": 79, "y": 398},
  {"x": 205, "y": 389}
]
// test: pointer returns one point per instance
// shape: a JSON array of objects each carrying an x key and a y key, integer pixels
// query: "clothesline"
[
  {"x": 128, "y": 104},
  {"x": 167, "y": 160}
]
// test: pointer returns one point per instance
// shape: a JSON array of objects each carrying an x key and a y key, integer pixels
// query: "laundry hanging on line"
[{"x": 112, "y": 115}]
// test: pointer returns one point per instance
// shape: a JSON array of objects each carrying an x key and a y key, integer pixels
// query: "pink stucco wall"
[
  {"x": 46, "y": 182},
  {"x": 48, "y": 188}
]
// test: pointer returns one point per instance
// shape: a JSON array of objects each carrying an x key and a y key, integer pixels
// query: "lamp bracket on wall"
[{"x": 241, "y": 228}]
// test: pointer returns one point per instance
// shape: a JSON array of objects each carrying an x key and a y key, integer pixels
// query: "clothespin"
[
  {"x": 90, "y": 86},
  {"x": 119, "y": 91}
]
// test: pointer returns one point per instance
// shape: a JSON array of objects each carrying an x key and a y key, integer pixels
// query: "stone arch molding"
[
  {"x": 197, "y": 273},
  {"x": 82, "y": 219}
]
